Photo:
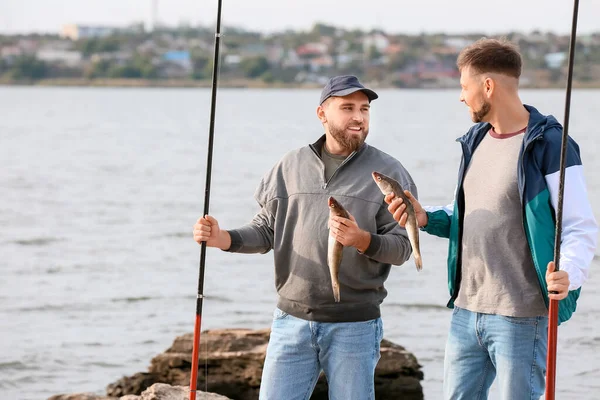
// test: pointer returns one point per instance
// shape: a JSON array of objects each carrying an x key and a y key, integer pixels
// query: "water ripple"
[{"x": 41, "y": 241}]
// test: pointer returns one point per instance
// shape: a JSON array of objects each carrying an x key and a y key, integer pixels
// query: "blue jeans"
[
  {"x": 298, "y": 350},
  {"x": 481, "y": 346}
]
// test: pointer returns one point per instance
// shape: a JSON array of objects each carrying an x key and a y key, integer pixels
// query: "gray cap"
[{"x": 344, "y": 85}]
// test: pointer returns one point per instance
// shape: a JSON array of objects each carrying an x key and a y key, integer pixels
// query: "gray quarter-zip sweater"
[{"x": 293, "y": 223}]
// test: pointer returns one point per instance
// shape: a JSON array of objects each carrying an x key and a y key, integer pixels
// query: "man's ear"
[
  {"x": 488, "y": 87},
  {"x": 321, "y": 114}
]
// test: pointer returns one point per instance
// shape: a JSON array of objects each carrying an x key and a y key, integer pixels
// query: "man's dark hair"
[{"x": 491, "y": 55}]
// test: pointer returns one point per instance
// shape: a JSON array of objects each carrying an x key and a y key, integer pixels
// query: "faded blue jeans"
[
  {"x": 483, "y": 346},
  {"x": 298, "y": 350}
]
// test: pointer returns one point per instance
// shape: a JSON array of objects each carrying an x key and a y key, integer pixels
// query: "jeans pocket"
[
  {"x": 521, "y": 320},
  {"x": 455, "y": 310},
  {"x": 278, "y": 314}
]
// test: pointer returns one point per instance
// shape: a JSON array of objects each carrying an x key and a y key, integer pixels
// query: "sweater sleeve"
[
  {"x": 390, "y": 244},
  {"x": 258, "y": 235}
]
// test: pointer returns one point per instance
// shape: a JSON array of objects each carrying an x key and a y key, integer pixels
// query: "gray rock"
[
  {"x": 158, "y": 391},
  {"x": 81, "y": 396},
  {"x": 162, "y": 391}
]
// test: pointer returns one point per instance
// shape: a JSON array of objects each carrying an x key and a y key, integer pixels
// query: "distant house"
[
  {"x": 275, "y": 54},
  {"x": 178, "y": 43},
  {"x": 393, "y": 49},
  {"x": 28, "y": 46},
  {"x": 292, "y": 60},
  {"x": 232, "y": 59},
  {"x": 537, "y": 38},
  {"x": 445, "y": 51},
  {"x": 586, "y": 40},
  {"x": 377, "y": 40},
  {"x": 116, "y": 57},
  {"x": 343, "y": 46},
  {"x": 21, "y": 47},
  {"x": 76, "y": 32},
  {"x": 306, "y": 77},
  {"x": 555, "y": 60},
  {"x": 147, "y": 47},
  {"x": 343, "y": 60},
  {"x": 69, "y": 58},
  {"x": 176, "y": 64},
  {"x": 199, "y": 44},
  {"x": 253, "y": 50},
  {"x": 311, "y": 50},
  {"x": 179, "y": 57},
  {"x": 457, "y": 43},
  {"x": 9, "y": 53},
  {"x": 173, "y": 71},
  {"x": 321, "y": 63}
]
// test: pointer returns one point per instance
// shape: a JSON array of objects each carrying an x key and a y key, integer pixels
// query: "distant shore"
[
  {"x": 157, "y": 83},
  {"x": 234, "y": 83}
]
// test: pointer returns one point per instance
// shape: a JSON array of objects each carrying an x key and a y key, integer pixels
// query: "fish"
[
  {"x": 335, "y": 248},
  {"x": 389, "y": 185}
]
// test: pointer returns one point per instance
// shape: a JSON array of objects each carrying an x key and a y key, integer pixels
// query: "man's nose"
[{"x": 357, "y": 116}]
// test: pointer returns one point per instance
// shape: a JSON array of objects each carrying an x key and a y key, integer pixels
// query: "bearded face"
[
  {"x": 346, "y": 120},
  {"x": 478, "y": 115},
  {"x": 472, "y": 95},
  {"x": 351, "y": 136}
]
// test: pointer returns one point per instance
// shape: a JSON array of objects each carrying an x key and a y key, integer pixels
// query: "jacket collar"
[
  {"x": 536, "y": 127},
  {"x": 317, "y": 147}
]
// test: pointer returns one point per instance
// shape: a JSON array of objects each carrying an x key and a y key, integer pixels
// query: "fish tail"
[
  {"x": 413, "y": 236},
  {"x": 417, "y": 255},
  {"x": 336, "y": 291},
  {"x": 418, "y": 260}
]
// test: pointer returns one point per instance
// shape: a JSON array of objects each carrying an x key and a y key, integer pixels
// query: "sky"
[{"x": 393, "y": 16}]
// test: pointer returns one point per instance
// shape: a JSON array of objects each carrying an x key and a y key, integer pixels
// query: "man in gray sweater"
[{"x": 310, "y": 330}]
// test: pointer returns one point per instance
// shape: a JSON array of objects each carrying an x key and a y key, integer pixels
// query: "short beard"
[
  {"x": 478, "y": 116},
  {"x": 351, "y": 143}
]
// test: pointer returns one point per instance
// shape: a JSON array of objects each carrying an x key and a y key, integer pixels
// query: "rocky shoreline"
[{"x": 233, "y": 365}]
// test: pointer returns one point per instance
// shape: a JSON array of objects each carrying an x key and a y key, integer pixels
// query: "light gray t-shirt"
[{"x": 498, "y": 276}]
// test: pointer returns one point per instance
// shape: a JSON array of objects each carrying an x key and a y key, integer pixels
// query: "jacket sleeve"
[
  {"x": 258, "y": 235},
  {"x": 439, "y": 219},
  {"x": 579, "y": 227}
]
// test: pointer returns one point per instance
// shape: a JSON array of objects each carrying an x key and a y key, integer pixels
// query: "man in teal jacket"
[{"x": 501, "y": 228}]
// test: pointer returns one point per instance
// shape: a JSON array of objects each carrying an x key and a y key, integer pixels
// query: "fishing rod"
[
  {"x": 553, "y": 308},
  {"x": 211, "y": 134}
]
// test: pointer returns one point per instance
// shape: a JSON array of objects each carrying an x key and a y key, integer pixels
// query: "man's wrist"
[
  {"x": 224, "y": 240},
  {"x": 364, "y": 243},
  {"x": 426, "y": 222}
]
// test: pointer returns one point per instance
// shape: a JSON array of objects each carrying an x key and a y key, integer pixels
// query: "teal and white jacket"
[{"x": 538, "y": 180}]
